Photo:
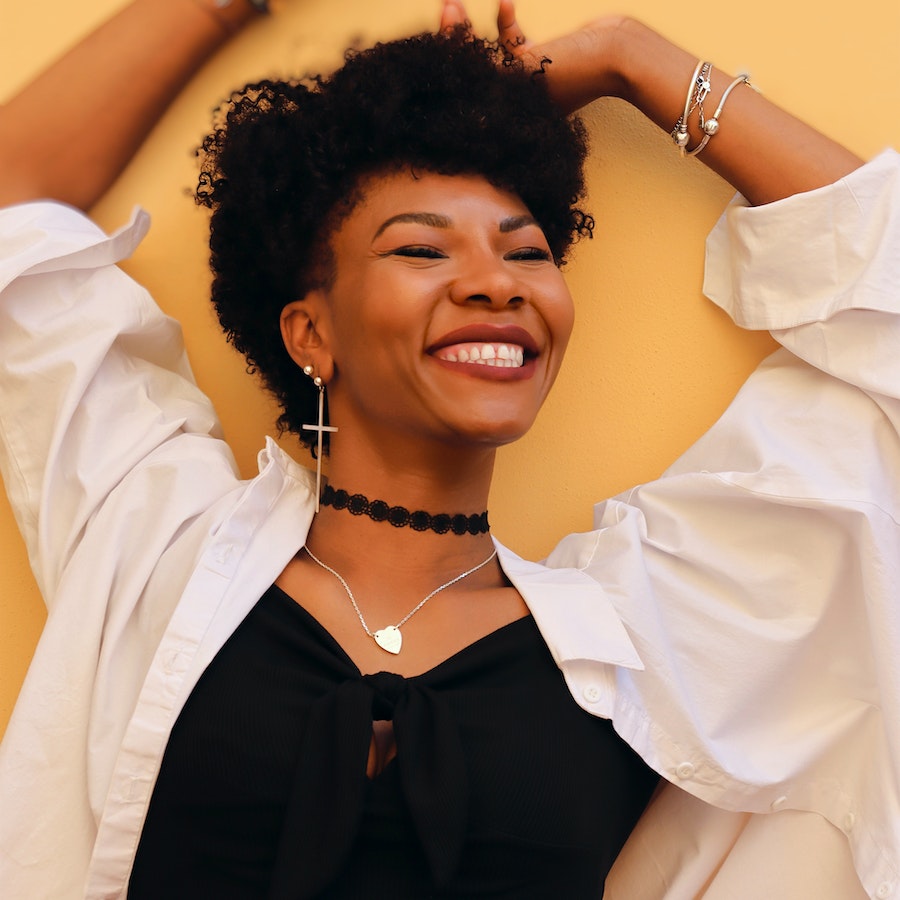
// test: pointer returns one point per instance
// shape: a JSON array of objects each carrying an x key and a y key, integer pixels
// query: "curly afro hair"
[{"x": 286, "y": 162}]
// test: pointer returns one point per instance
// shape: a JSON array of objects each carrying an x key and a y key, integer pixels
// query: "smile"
[{"x": 503, "y": 356}]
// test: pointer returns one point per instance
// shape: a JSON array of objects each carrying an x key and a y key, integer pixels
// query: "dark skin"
[
  {"x": 612, "y": 56},
  {"x": 400, "y": 289},
  {"x": 765, "y": 153},
  {"x": 606, "y": 58},
  {"x": 102, "y": 130},
  {"x": 447, "y": 454}
]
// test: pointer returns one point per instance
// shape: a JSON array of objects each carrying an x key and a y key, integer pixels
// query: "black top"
[{"x": 501, "y": 787}]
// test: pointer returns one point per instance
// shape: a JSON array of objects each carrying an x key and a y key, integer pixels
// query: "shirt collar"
[{"x": 573, "y": 612}]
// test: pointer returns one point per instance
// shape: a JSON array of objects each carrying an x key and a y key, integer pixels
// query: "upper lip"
[{"x": 484, "y": 333}]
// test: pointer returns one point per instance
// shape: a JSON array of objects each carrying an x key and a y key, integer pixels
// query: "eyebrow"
[
  {"x": 514, "y": 223},
  {"x": 434, "y": 220}
]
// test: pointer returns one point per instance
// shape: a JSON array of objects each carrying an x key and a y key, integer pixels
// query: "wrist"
[
  {"x": 582, "y": 65},
  {"x": 612, "y": 37},
  {"x": 654, "y": 72},
  {"x": 634, "y": 49}
]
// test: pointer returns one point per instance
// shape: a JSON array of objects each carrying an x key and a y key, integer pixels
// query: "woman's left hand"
[
  {"x": 580, "y": 66},
  {"x": 764, "y": 152}
]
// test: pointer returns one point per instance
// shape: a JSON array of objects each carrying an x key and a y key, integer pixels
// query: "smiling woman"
[
  {"x": 341, "y": 146},
  {"x": 259, "y": 688},
  {"x": 425, "y": 262}
]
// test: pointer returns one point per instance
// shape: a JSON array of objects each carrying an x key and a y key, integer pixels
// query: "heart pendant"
[{"x": 389, "y": 639}]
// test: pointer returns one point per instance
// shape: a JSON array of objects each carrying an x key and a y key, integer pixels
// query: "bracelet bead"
[{"x": 711, "y": 125}]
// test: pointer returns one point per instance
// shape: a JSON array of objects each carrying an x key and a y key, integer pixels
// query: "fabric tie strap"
[{"x": 327, "y": 799}]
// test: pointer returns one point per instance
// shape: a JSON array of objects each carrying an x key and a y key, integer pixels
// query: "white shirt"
[{"x": 737, "y": 618}]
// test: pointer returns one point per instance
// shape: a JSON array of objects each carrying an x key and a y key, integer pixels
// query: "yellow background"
[{"x": 651, "y": 365}]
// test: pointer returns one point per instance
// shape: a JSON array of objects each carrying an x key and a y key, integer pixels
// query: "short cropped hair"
[{"x": 286, "y": 161}]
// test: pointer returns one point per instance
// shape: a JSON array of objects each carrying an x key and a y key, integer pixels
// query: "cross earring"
[{"x": 320, "y": 427}]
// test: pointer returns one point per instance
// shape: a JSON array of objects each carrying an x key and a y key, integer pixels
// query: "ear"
[{"x": 304, "y": 330}]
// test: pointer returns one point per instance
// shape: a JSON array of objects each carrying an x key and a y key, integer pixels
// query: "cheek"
[
  {"x": 369, "y": 337},
  {"x": 568, "y": 321},
  {"x": 386, "y": 312},
  {"x": 561, "y": 318},
  {"x": 372, "y": 338}
]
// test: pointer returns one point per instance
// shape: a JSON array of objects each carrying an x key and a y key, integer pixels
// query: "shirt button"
[
  {"x": 885, "y": 889},
  {"x": 591, "y": 693},
  {"x": 173, "y": 661},
  {"x": 779, "y": 802},
  {"x": 685, "y": 770},
  {"x": 849, "y": 822}
]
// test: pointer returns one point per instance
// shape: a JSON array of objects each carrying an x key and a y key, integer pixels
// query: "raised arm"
[
  {"x": 70, "y": 133},
  {"x": 766, "y": 153}
]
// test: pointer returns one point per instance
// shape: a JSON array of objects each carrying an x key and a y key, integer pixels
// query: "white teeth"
[{"x": 504, "y": 356}]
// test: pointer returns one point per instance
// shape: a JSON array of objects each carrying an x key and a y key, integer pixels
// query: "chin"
[{"x": 493, "y": 434}]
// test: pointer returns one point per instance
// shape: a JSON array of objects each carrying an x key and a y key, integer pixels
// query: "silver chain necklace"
[{"x": 389, "y": 638}]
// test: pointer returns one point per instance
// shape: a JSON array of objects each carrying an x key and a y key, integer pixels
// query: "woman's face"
[{"x": 447, "y": 318}]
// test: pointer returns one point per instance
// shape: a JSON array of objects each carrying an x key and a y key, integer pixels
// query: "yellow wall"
[{"x": 651, "y": 365}]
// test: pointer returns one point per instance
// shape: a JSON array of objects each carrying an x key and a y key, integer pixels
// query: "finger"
[
  {"x": 453, "y": 14},
  {"x": 511, "y": 36}
]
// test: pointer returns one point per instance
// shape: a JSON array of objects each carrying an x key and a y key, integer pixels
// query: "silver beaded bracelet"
[{"x": 697, "y": 90}]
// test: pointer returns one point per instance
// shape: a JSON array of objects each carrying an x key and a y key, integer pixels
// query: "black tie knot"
[{"x": 388, "y": 689}]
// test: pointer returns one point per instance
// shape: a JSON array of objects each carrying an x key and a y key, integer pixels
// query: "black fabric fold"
[
  {"x": 326, "y": 805},
  {"x": 433, "y": 776},
  {"x": 327, "y": 795}
]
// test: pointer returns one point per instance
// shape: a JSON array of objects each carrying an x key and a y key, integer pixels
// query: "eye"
[
  {"x": 417, "y": 251},
  {"x": 529, "y": 254}
]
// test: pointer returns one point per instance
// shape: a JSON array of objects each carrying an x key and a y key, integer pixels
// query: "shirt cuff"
[{"x": 807, "y": 257}]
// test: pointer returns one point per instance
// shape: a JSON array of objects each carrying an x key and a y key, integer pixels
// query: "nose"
[{"x": 490, "y": 280}]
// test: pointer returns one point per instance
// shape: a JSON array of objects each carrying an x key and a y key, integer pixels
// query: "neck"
[
  {"x": 452, "y": 483},
  {"x": 434, "y": 478}
]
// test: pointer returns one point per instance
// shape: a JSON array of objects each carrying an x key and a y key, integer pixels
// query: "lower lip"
[{"x": 490, "y": 373}]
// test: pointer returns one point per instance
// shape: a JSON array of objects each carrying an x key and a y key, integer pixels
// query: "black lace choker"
[{"x": 401, "y": 517}]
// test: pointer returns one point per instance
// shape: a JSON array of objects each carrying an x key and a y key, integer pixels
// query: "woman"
[{"x": 409, "y": 269}]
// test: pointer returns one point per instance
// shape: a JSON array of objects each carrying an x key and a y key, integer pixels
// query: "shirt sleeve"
[
  {"x": 758, "y": 576},
  {"x": 93, "y": 376},
  {"x": 821, "y": 271}
]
